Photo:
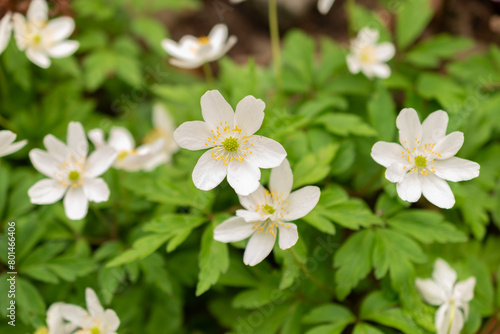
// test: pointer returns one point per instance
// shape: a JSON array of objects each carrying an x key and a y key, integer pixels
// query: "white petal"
[
  {"x": 38, "y": 12},
  {"x": 46, "y": 191},
  {"x": 218, "y": 35},
  {"x": 464, "y": 290},
  {"x": 194, "y": 135},
  {"x": 434, "y": 127},
  {"x": 387, "y": 153},
  {"x": 74, "y": 314},
  {"x": 444, "y": 275},
  {"x": 6, "y": 138},
  {"x": 230, "y": 43},
  {"x": 325, "y": 5},
  {"x": 448, "y": 146},
  {"x": 430, "y": 291},
  {"x": 353, "y": 64},
  {"x": 55, "y": 322},
  {"x": 94, "y": 306},
  {"x": 368, "y": 36},
  {"x": 252, "y": 216},
  {"x": 75, "y": 203},
  {"x": 60, "y": 28},
  {"x": 266, "y": 153},
  {"x": 38, "y": 58},
  {"x": 249, "y": 115},
  {"x": 215, "y": 110},
  {"x": 281, "y": 179},
  {"x": 259, "y": 246},
  {"x": 396, "y": 172},
  {"x": 96, "y": 136},
  {"x": 410, "y": 129},
  {"x": 19, "y": 25},
  {"x": 437, "y": 191},
  {"x": 442, "y": 319},
  {"x": 110, "y": 322},
  {"x": 76, "y": 139},
  {"x": 186, "y": 64},
  {"x": 99, "y": 161},
  {"x": 301, "y": 202},
  {"x": 457, "y": 323},
  {"x": 44, "y": 162},
  {"x": 13, "y": 148},
  {"x": 258, "y": 197},
  {"x": 456, "y": 169},
  {"x": 409, "y": 189},
  {"x": 385, "y": 51},
  {"x": 382, "y": 71},
  {"x": 96, "y": 190},
  {"x": 5, "y": 30},
  {"x": 243, "y": 177},
  {"x": 176, "y": 50},
  {"x": 288, "y": 235},
  {"x": 56, "y": 148},
  {"x": 63, "y": 49},
  {"x": 208, "y": 173},
  {"x": 121, "y": 139},
  {"x": 162, "y": 119},
  {"x": 233, "y": 229}
]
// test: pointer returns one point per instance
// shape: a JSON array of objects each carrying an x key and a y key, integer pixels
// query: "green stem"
[
  {"x": 275, "y": 42},
  {"x": 3, "y": 83},
  {"x": 209, "y": 75},
  {"x": 308, "y": 273}
]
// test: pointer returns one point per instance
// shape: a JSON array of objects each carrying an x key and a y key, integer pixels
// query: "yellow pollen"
[
  {"x": 204, "y": 40},
  {"x": 95, "y": 330},
  {"x": 73, "y": 175},
  {"x": 367, "y": 55},
  {"x": 269, "y": 209}
]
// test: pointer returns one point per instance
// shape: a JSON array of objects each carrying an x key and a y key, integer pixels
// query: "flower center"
[
  {"x": 269, "y": 209},
  {"x": 95, "y": 330},
  {"x": 74, "y": 175},
  {"x": 123, "y": 154},
  {"x": 204, "y": 40},
  {"x": 367, "y": 55},
  {"x": 37, "y": 39},
  {"x": 420, "y": 161},
  {"x": 230, "y": 144}
]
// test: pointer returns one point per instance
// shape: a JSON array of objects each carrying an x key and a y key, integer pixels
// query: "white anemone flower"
[
  {"x": 192, "y": 52},
  {"x": 268, "y": 212},
  {"x": 234, "y": 150},
  {"x": 451, "y": 296},
  {"x": 55, "y": 321},
  {"x": 129, "y": 157},
  {"x": 71, "y": 174},
  {"x": 164, "y": 128},
  {"x": 5, "y": 30},
  {"x": 43, "y": 39},
  {"x": 425, "y": 158},
  {"x": 94, "y": 320},
  {"x": 369, "y": 57},
  {"x": 7, "y": 145}
]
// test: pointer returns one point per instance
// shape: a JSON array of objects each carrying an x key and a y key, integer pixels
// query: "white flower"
[
  {"x": 94, "y": 321},
  {"x": 6, "y": 143},
  {"x": 325, "y": 5},
  {"x": 234, "y": 149},
  {"x": 71, "y": 174},
  {"x": 163, "y": 129},
  {"x": 452, "y": 297},
  {"x": 425, "y": 158},
  {"x": 129, "y": 158},
  {"x": 41, "y": 38},
  {"x": 55, "y": 321},
  {"x": 5, "y": 30},
  {"x": 368, "y": 57},
  {"x": 192, "y": 52},
  {"x": 266, "y": 213}
]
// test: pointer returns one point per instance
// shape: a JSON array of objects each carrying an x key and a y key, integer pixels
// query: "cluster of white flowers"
[
  {"x": 451, "y": 296},
  {"x": 40, "y": 38},
  {"x": 65, "y": 318}
]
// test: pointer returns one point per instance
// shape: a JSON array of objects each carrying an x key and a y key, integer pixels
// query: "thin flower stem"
[
  {"x": 209, "y": 75},
  {"x": 275, "y": 42},
  {"x": 309, "y": 275}
]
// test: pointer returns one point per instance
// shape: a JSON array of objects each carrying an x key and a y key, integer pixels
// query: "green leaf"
[
  {"x": 151, "y": 31},
  {"x": 329, "y": 313},
  {"x": 213, "y": 261},
  {"x": 255, "y": 298},
  {"x": 4, "y": 186},
  {"x": 298, "y": 60},
  {"x": 364, "y": 328},
  {"x": 426, "y": 226},
  {"x": 345, "y": 124},
  {"x": 154, "y": 268},
  {"x": 109, "y": 282},
  {"x": 128, "y": 69},
  {"x": 361, "y": 17},
  {"x": 357, "y": 249},
  {"x": 97, "y": 66},
  {"x": 352, "y": 214},
  {"x": 444, "y": 89},
  {"x": 413, "y": 17},
  {"x": 430, "y": 52},
  {"x": 30, "y": 303},
  {"x": 382, "y": 113},
  {"x": 314, "y": 167}
]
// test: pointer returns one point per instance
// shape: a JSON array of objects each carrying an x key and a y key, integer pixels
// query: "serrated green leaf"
[
  {"x": 412, "y": 18},
  {"x": 329, "y": 313},
  {"x": 382, "y": 113},
  {"x": 346, "y": 124}
]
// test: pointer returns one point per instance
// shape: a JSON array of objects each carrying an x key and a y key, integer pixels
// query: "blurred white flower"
[
  {"x": 5, "y": 30},
  {"x": 43, "y": 39},
  {"x": 7, "y": 145},
  {"x": 234, "y": 149},
  {"x": 94, "y": 320},
  {"x": 71, "y": 174},
  {"x": 55, "y": 321},
  {"x": 369, "y": 57},
  {"x": 164, "y": 128},
  {"x": 129, "y": 157},
  {"x": 325, "y": 5},
  {"x": 453, "y": 297},
  {"x": 425, "y": 158},
  {"x": 192, "y": 52},
  {"x": 266, "y": 213}
]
